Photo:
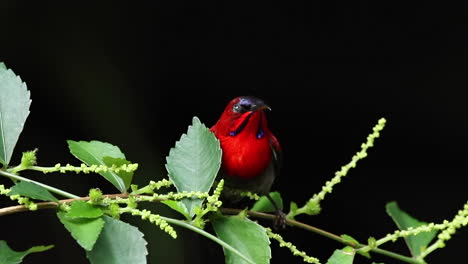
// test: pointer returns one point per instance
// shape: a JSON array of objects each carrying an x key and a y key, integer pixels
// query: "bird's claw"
[{"x": 280, "y": 220}]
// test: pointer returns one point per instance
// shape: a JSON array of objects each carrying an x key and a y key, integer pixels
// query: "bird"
[{"x": 251, "y": 153}]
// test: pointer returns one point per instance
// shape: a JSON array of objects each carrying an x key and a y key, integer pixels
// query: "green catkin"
[
  {"x": 83, "y": 168},
  {"x": 250, "y": 195},
  {"x": 213, "y": 202},
  {"x": 114, "y": 210},
  {"x": 352, "y": 164},
  {"x": 159, "y": 184},
  {"x": 313, "y": 205},
  {"x": 152, "y": 218},
  {"x": 95, "y": 196},
  {"x": 29, "y": 159},
  {"x": 449, "y": 229},
  {"x": 151, "y": 187},
  {"x": 291, "y": 247},
  {"x": 19, "y": 199},
  {"x": 411, "y": 231},
  {"x": 179, "y": 195}
]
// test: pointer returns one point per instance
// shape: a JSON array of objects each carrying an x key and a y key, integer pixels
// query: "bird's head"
[
  {"x": 243, "y": 114},
  {"x": 244, "y": 104}
]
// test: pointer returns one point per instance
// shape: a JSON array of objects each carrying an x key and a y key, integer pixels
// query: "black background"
[{"x": 135, "y": 74}]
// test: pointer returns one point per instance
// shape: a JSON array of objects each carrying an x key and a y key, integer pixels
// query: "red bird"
[{"x": 251, "y": 153}]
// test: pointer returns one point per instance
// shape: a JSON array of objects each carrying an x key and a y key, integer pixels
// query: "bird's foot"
[{"x": 280, "y": 220}]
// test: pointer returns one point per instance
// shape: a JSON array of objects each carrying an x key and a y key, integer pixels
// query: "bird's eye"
[
  {"x": 236, "y": 108},
  {"x": 242, "y": 107}
]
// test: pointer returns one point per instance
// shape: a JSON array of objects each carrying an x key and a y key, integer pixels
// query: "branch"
[
  {"x": 50, "y": 188},
  {"x": 324, "y": 233},
  {"x": 229, "y": 211},
  {"x": 207, "y": 235},
  {"x": 51, "y": 205}
]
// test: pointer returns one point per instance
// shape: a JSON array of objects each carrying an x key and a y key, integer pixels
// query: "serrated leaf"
[
  {"x": 342, "y": 256},
  {"x": 124, "y": 175},
  {"x": 14, "y": 110},
  {"x": 403, "y": 220},
  {"x": 177, "y": 206},
  {"x": 349, "y": 239},
  {"x": 353, "y": 240},
  {"x": 264, "y": 204},
  {"x": 84, "y": 230},
  {"x": 119, "y": 243},
  {"x": 194, "y": 162},
  {"x": 84, "y": 210},
  {"x": 32, "y": 190},
  {"x": 9, "y": 256},
  {"x": 94, "y": 153},
  {"x": 248, "y": 237}
]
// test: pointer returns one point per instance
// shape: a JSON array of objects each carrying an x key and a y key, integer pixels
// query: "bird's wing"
[{"x": 277, "y": 154}]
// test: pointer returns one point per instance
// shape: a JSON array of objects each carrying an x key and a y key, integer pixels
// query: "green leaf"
[
  {"x": 32, "y": 190},
  {"x": 353, "y": 240},
  {"x": 293, "y": 207},
  {"x": 343, "y": 256},
  {"x": 178, "y": 206},
  {"x": 84, "y": 210},
  {"x": 194, "y": 162},
  {"x": 14, "y": 109},
  {"x": 96, "y": 153},
  {"x": 9, "y": 256},
  {"x": 265, "y": 205},
  {"x": 124, "y": 175},
  {"x": 349, "y": 239},
  {"x": 119, "y": 243},
  {"x": 416, "y": 243},
  {"x": 246, "y": 236},
  {"x": 84, "y": 230}
]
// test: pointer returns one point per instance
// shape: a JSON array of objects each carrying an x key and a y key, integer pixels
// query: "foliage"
[
  {"x": 14, "y": 109},
  {"x": 31, "y": 190},
  {"x": 118, "y": 243},
  {"x": 100, "y": 153},
  {"x": 245, "y": 235},
  {"x": 192, "y": 166},
  {"x": 9, "y": 256},
  {"x": 193, "y": 163},
  {"x": 416, "y": 243},
  {"x": 264, "y": 205}
]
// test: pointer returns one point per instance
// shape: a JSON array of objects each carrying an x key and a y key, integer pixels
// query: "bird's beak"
[
  {"x": 260, "y": 105},
  {"x": 263, "y": 107}
]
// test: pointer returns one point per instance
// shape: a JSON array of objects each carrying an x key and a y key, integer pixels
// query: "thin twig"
[
  {"x": 51, "y": 205},
  {"x": 50, "y": 188},
  {"x": 325, "y": 234},
  {"x": 231, "y": 211}
]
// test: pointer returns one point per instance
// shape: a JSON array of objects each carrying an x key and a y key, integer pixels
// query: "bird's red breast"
[{"x": 247, "y": 143}]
